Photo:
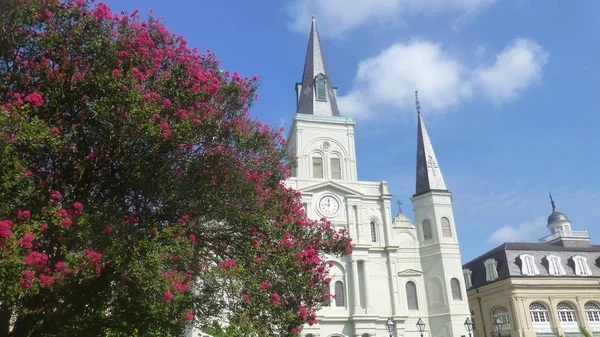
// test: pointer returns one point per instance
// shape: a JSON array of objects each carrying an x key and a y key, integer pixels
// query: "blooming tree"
[{"x": 137, "y": 196}]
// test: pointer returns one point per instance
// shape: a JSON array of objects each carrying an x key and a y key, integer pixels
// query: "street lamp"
[
  {"x": 421, "y": 326},
  {"x": 498, "y": 326},
  {"x": 390, "y": 326},
  {"x": 469, "y": 325}
]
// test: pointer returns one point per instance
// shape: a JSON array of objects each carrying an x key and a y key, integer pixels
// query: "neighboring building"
[
  {"x": 537, "y": 289},
  {"x": 397, "y": 270}
]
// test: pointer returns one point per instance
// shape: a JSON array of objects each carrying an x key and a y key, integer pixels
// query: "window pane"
[
  {"x": 339, "y": 294},
  {"x": 317, "y": 167},
  {"x": 336, "y": 169},
  {"x": 427, "y": 229},
  {"x": 320, "y": 83},
  {"x": 456, "y": 293},
  {"x": 411, "y": 296},
  {"x": 373, "y": 232},
  {"x": 446, "y": 229}
]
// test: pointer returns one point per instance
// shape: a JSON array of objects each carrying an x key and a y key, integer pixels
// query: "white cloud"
[
  {"x": 518, "y": 66},
  {"x": 388, "y": 80},
  {"x": 341, "y": 16},
  {"x": 525, "y": 232}
]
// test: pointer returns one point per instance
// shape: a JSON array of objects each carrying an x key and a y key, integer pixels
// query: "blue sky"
[{"x": 508, "y": 90}]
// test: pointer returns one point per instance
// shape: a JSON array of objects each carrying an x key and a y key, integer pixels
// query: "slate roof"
[{"x": 509, "y": 264}]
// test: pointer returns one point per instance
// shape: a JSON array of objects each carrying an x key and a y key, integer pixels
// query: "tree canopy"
[{"x": 137, "y": 194}]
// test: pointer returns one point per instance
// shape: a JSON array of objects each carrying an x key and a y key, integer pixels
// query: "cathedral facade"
[{"x": 398, "y": 271}]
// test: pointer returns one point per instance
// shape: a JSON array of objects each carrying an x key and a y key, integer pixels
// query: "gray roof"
[
  {"x": 429, "y": 175},
  {"x": 509, "y": 265},
  {"x": 313, "y": 66}
]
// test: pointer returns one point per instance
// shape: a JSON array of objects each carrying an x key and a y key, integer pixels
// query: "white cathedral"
[{"x": 397, "y": 271}]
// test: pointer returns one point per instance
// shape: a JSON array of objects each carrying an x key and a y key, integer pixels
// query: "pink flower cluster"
[{"x": 5, "y": 231}]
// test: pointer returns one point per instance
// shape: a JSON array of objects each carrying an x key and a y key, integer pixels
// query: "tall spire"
[
  {"x": 316, "y": 95},
  {"x": 554, "y": 209},
  {"x": 429, "y": 175}
]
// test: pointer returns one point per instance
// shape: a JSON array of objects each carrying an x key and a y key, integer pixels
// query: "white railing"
[{"x": 561, "y": 234}]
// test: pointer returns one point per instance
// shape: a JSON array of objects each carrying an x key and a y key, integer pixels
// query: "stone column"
[
  {"x": 581, "y": 318},
  {"x": 554, "y": 314},
  {"x": 355, "y": 288},
  {"x": 368, "y": 307},
  {"x": 392, "y": 282}
]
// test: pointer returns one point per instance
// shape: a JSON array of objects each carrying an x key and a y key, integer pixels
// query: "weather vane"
[
  {"x": 417, "y": 101},
  {"x": 313, "y": 6}
]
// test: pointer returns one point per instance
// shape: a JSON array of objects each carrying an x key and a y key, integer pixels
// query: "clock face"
[{"x": 329, "y": 205}]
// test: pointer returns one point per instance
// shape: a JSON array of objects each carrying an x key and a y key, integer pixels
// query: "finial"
[
  {"x": 313, "y": 6},
  {"x": 399, "y": 206},
  {"x": 552, "y": 202},
  {"x": 417, "y": 102}
]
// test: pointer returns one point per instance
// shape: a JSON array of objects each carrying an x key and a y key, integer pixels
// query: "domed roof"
[{"x": 556, "y": 216}]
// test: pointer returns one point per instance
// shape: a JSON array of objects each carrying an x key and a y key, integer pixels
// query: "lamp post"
[
  {"x": 421, "y": 326},
  {"x": 389, "y": 326},
  {"x": 469, "y": 325},
  {"x": 498, "y": 326}
]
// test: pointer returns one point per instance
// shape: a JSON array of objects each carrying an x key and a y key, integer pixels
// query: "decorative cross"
[
  {"x": 399, "y": 206},
  {"x": 432, "y": 164},
  {"x": 313, "y": 6}
]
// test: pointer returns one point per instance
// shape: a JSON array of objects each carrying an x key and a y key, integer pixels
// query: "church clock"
[{"x": 329, "y": 205}]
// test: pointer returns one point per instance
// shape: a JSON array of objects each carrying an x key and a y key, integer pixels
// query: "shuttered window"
[
  {"x": 336, "y": 168},
  {"x": 317, "y": 167}
]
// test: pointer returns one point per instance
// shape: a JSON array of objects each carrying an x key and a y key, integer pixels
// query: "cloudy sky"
[{"x": 509, "y": 92}]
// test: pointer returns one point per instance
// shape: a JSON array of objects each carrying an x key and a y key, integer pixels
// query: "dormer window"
[
  {"x": 321, "y": 87},
  {"x": 528, "y": 266},
  {"x": 467, "y": 274},
  {"x": 554, "y": 266},
  {"x": 491, "y": 271},
  {"x": 581, "y": 266}
]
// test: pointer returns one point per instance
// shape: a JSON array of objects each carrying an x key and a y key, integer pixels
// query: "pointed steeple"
[
  {"x": 429, "y": 175},
  {"x": 316, "y": 95}
]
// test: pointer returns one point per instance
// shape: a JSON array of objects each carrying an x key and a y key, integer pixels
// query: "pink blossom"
[
  {"x": 108, "y": 230},
  {"x": 246, "y": 298},
  {"x": 275, "y": 298},
  {"x": 77, "y": 207},
  {"x": 189, "y": 316},
  {"x": 43, "y": 227},
  {"x": 67, "y": 222},
  {"x": 26, "y": 241},
  {"x": 36, "y": 259},
  {"x": 55, "y": 195},
  {"x": 265, "y": 286},
  {"x": 35, "y": 99},
  {"x": 23, "y": 214},
  {"x": 167, "y": 296},
  {"x": 116, "y": 73},
  {"x": 5, "y": 232},
  {"x": 192, "y": 238}
]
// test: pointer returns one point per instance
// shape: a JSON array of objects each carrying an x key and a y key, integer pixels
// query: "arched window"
[
  {"x": 373, "y": 231},
  {"x": 500, "y": 313},
  {"x": 427, "y": 234},
  {"x": 581, "y": 266},
  {"x": 336, "y": 167},
  {"x": 455, "y": 286},
  {"x": 554, "y": 265},
  {"x": 446, "y": 229},
  {"x": 411, "y": 296},
  {"x": 317, "y": 164},
  {"x": 566, "y": 313},
  {"x": 339, "y": 294},
  {"x": 321, "y": 87},
  {"x": 528, "y": 266},
  {"x": 539, "y": 313},
  {"x": 592, "y": 311}
]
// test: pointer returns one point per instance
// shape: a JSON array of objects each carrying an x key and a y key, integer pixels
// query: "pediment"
[
  {"x": 333, "y": 187},
  {"x": 410, "y": 272}
]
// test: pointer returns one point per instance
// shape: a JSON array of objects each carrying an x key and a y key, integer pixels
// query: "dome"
[{"x": 557, "y": 216}]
